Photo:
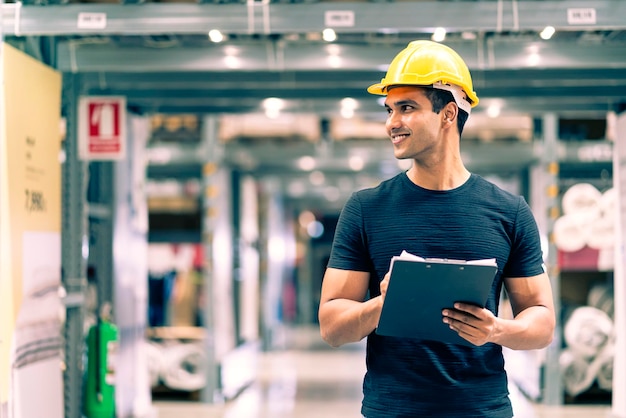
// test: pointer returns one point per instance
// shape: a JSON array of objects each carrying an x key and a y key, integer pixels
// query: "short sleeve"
[
  {"x": 526, "y": 258},
  {"x": 349, "y": 250}
]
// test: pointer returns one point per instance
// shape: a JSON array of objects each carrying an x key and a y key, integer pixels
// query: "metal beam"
[
  {"x": 276, "y": 18},
  {"x": 532, "y": 91},
  {"x": 84, "y": 55}
]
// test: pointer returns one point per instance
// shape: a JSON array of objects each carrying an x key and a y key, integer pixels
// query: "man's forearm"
[
  {"x": 531, "y": 329},
  {"x": 345, "y": 321}
]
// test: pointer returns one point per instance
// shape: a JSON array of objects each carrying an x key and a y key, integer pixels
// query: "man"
[{"x": 435, "y": 209}]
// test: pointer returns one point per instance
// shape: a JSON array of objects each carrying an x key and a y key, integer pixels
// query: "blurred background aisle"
[{"x": 308, "y": 379}]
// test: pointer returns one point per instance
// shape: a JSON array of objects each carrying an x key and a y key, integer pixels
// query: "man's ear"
[{"x": 450, "y": 111}]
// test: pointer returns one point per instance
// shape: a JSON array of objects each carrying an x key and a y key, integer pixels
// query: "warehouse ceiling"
[{"x": 159, "y": 55}]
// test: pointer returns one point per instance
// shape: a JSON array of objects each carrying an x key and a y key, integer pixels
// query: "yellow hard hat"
[{"x": 428, "y": 63}]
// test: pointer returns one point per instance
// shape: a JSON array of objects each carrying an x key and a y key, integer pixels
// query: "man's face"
[{"x": 411, "y": 124}]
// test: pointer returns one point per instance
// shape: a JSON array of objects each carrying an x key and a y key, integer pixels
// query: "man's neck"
[{"x": 439, "y": 178}]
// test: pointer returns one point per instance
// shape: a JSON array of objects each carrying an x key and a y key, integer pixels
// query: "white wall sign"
[
  {"x": 339, "y": 18},
  {"x": 91, "y": 20},
  {"x": 102, "y": 127},
  {"x": 581, "y": 16}
]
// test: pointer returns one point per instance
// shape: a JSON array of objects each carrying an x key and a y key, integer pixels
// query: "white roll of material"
[
  {"x": 570, "y": 233},
  {"x": 601, "y": 233},
  {"x": 184, "y": 367},
  {"x": 587, "y": 330},
  {"x": 601, "y": 296},
  {"x": 574, "y": 372},
  {"x": 582, "y": 199},
  {"x": 154, "y": 354},
  {"x": 578, "y": 374},
  {"x": 604, "y": 377},
  {"x": 608, "y": 203}
]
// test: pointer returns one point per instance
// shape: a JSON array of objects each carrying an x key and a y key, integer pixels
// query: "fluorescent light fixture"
[
  {"x": 329, "y": 35},
  {"x": 216, "y": 36},
  {"x": 533, "y": 59},
  {"x": 547, "y": 32},
  {"x": 348, "y": 104},
  {"x": 347, "y": 112},
  {"x": 232, "y": 61},
  {"x": 439, "y": 35},
  {"x": 334, "y": 61},
  {"x": 273, "y": 107},
  {"x": 468, "y": 36},
  {"x": 307, "y": 163},
  {"x": 356, "y": 163},
  {"x": 317, "y": 178},
  {"x": 493, "y": 111},
  {"x": 333, "y": 49},
  {"x": 231, "y": 50}
]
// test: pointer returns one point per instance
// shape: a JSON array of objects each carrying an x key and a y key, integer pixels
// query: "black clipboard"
[{"x": 420, "y": 288}]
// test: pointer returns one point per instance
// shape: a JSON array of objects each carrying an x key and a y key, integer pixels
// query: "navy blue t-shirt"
[{"x": 411, "y": 378}]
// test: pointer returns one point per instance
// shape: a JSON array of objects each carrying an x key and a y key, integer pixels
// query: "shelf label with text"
[{"x": 581, "y": 16}]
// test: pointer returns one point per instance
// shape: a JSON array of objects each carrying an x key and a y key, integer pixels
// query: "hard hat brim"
[{"x": 378, "y": 88}]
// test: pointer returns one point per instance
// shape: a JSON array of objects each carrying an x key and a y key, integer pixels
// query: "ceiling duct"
[
  {"x": 483, "y": 128},
  {"x": 350, "y": 129},
  {"x": 253, "y": 126}
]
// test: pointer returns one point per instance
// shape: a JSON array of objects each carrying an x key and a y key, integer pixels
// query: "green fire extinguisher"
[{"x": 99, "y": 393}]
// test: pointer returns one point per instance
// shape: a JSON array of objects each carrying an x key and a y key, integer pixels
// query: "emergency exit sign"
[{"x": 102, "y": 127}]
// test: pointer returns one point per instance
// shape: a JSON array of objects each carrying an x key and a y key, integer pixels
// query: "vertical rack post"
[
  {"x": 100, "y": 212},
  {"x": 619, "y": 290},
  {"x": 553, "y": 388},
  {"x": 211, "y": 392},
  {"x": 74, "y": 249}
]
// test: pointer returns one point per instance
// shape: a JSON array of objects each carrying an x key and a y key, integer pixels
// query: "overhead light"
[
  {"x": 231, "y": 59},
  {"x": 347, "y": 112},
  {"x": 296, "y": 188},
  {"x": 329, "y": 35},
  {"x": 356, "y": 163},
  {"x": 232, "y": 62},
  {"x": 332, "y": 194},
  {"x": 306, "y": 163},
  {"x": 315, "y": 229},
  {"x": 231, "y": 50},
  {"x": 389, "y": 31},
  {"x": 333, "y": 58},
  {"x": 317, "y": 178},
  {"x": 334, "y": 61},
  {"x": 333, "y": 49},
  {"x": 348, "y": 105},
  {"x": 547, "y": 32},
  {"x": 439, "y": 35},
  {"x": 305, "y": 218},
  {"x": 273, "y": 107},
  {"x": 216, "y": 36},
  {"x": 468, "y": 36},
  {"x": 493, "y": 111},
  {"x": 276, "y": 249},
  {"x": 349, "y": 102},
  {"x": 533, "y": 59}
]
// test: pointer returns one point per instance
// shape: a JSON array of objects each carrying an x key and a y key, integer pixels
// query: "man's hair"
[{"x": 439, "y": 98}]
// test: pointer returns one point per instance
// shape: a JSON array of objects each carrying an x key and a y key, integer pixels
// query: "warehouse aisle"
[{"x": 307, "y": 379}]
